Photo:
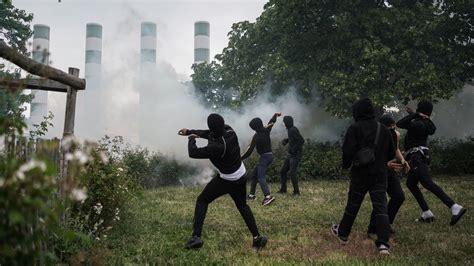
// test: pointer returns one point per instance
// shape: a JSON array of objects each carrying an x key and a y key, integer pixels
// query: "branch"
[{"x": 39, "y": 69}]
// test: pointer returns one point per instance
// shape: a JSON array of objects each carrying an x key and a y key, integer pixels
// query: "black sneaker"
[
  {"x": 383, "y": 250},
  {"x": 282, "y": 191},
  {"x": 296, "y": 193},
  {"x": 455, "y": 218},
  {"x": 259, "y": 242},
  {"x": 426, "y": 220},
  {"x": 335, "y": 232},
  {"x": 267, "y": 200},
  {"x": 251, "y": 197},
  {"x": 194, "y": 243}
]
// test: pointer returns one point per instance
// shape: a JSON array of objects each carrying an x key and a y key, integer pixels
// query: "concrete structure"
[
  {"x": 147, "y": 83},
  {"x": 201, "y": 42},
  {"x": 39, "y": 105},
  {"x": 90, "y": 118}
]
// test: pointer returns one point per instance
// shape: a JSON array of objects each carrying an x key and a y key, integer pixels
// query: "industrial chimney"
[{"x": 201, "y": 41}]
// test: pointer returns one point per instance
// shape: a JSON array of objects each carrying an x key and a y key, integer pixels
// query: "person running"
[
  {"x": 224, "y": 153},
  {"x": 367, "y": 147},
  {"x": 295, "y": 151},
  {"x": 419, "y": 126},
  {"x": 261, "y": 140},
  {"x": 394, "y": 188}
]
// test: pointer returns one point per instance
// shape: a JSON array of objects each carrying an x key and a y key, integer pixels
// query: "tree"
[
  {"x": 15, "y": 25},
  {"x": 391, "y": 51}
]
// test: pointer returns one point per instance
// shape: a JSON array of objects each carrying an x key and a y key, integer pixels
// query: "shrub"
[{"x": 453, "y": 156}]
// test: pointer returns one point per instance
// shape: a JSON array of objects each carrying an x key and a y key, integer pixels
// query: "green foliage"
[
  {"x": 29, "y": 214},
  {"x": 153, "y": 170},
  {"x": 390, "y": 51},
  {"x": 42, "y": 128},
  {"x": 453, "y": 157},
  {"x": 14, "y": 25}
]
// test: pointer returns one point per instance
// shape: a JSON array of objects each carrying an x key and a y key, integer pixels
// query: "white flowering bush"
[{"x": 107, "y": 185}]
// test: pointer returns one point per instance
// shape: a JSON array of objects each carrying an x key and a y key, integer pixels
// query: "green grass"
[{"x": 160, "y": 221}]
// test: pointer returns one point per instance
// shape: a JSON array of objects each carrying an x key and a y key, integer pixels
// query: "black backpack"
[{"x": 366, "y": 155}]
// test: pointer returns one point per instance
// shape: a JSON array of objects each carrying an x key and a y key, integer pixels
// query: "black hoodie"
[
  {"x": 261, "y": 138},
  {"x": 222, "y": 150},
  {"x": 418, "y": 130},
  {"x": 295, "y": 140},
  {"x": 362, "y": 134}
]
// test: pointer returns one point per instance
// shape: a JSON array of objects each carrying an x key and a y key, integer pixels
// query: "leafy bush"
[
  {"x": 153, "y": 170},
  {"x": 453, "y": 157}
]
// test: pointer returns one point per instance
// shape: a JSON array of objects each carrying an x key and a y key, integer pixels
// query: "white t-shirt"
[{"x": 235, "y": 175}]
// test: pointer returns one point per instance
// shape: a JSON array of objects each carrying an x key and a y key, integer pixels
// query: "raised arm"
[
  {"x": 204, "y": 152},
  {"x": 249, "y": 149},
  {"x": 272, "y": 121},
  {"x": 405, "y": 122},
  {"x": 204, "y": 133}
]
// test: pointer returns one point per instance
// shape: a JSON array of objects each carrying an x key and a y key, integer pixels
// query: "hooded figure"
[
  {"x": 224, "y": 153},
  {"x": 419, "y": 126},
  {"x": 371, "y": 177},
  {"x": 261, "y": 140},
  {"x": 295, "y": 152}
]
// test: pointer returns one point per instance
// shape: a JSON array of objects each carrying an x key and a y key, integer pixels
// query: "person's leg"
[
  {"x": 263, "y": 164},
  {"x": 356, "y": 195},
  {"x": 238, "y": 193},
  {"x": 253, "y": 182},
  {"x": 294, "y": 162},
  {"x": 397, "y": 196},
  {"x": 412, "y": 185},
  {"x": 378, "y": 197},
  {"x": 423, "y": 173},
  {"x": 214, "y": 189},
  {"x": 283, "y": 174}
]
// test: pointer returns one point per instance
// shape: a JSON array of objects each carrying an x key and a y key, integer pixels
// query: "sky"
[{"x": 175, "y": 26}]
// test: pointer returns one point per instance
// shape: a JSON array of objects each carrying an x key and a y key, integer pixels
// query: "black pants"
[
  {"x": 216, "y": 188},
  {"x": 289, "y": 168},
  {"x": 420, "y": 173},
  {"x": 377, "y": 188},
  {"x": 259, "y": 172},
  {"x": 397, "y": 197}
]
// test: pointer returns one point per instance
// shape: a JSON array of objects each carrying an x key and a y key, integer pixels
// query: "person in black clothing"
[
  {"x": 262, "y": 141},
  {"x": 224, "y": 153},
  {"x": 394, "y": 188},
  {"x": 295, "y": 151},
  {"x": 419, "y": 127},
  {"x": 371, "y": 177}
]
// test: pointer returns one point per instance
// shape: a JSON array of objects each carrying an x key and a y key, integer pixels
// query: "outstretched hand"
[
  {"x": 183, "y": 132},
  {"x": 278, "y": 114}
]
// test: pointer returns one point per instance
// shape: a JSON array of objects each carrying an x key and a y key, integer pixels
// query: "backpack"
[{"x": 366, "y": 155}]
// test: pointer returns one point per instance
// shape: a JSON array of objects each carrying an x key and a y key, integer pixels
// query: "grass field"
[{"x": 160, "y": 221}]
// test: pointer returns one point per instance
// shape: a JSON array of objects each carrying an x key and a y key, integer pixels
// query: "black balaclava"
[
  {"x": 363, "y": 110},
  {"x": 288, "y": 121},
  {"x": 215, "y": 122},
  {"x": 425, "y": 107},
  {"x": 387, "y": 120},
  {"x": 256, "y": 124}
]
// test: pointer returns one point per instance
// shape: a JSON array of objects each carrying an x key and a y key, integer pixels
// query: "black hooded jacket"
[
  {"x": 418, "y": 130},
  {"x": 261, "y": 139},
  {"x": 362, "y": 134},
  {"x": 223, "y": 151},
  {"x": 295, "y": 140}
]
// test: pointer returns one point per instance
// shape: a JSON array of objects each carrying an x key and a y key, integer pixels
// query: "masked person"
[
  {"x": 394, "y": 188},
  {"x": 367, "y": 146},
  {"x": 261, "y": 140},
  {"x": 224, "y": 153},
  {"x": 419, "y": 127},
  {"x": 295, "y": 151}
]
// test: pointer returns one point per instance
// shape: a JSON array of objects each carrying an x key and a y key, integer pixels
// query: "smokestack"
[
  {"x": 147, "y": 74},
  {"x": 93, "y": 67},
  {"x": 39, "y": 105},
  {"x": 148, "y": 43},
  {"x": 201, "y": 42},
  {"x": 91, "y": 100}
]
